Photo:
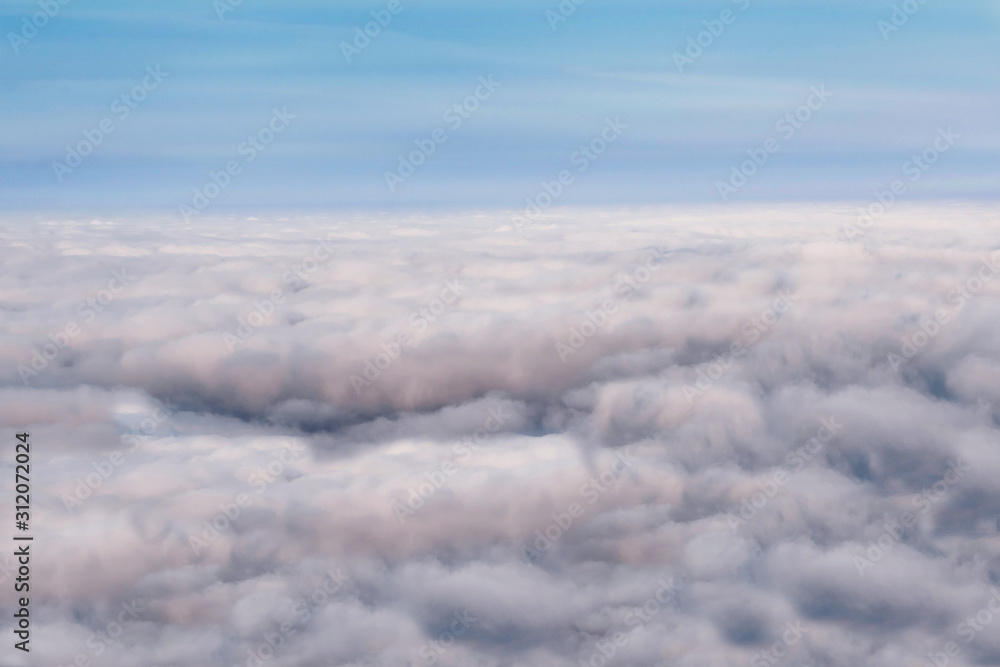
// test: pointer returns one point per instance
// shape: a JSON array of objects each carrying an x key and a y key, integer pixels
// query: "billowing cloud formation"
[{"x": 629, "y": 438}]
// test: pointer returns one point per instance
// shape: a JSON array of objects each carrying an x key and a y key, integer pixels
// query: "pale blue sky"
[{"x": 557, "y": 87}]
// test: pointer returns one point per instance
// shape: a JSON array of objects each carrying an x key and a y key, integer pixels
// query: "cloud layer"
[{"x": 668, "y": 437}]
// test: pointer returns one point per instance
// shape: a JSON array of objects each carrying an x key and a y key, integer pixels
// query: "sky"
[{"x": 559, "y": 77}]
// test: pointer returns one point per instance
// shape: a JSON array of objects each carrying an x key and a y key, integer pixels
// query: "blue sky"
[{"x": 558, "y": 85}]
